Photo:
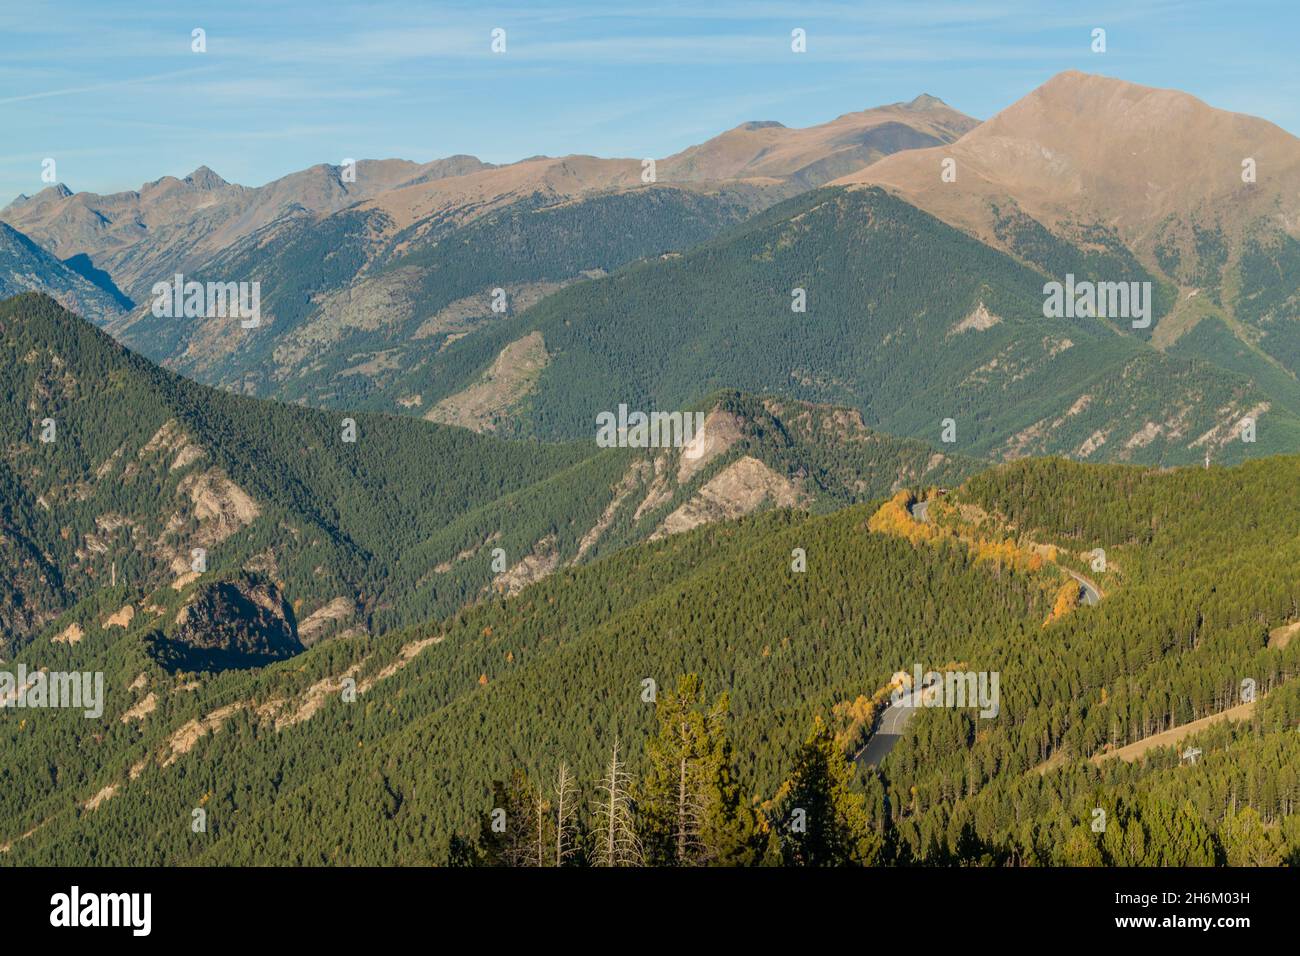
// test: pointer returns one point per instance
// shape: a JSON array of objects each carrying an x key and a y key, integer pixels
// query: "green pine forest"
[
  {"x": 301, "y": 260},
  {"x": 880, "y": 335},
  {"x": 335, "y": 629},
  {"x": 695, "y": 699}
]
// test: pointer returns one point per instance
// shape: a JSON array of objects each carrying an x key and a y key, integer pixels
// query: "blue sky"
[{"x": 111, "y": 90}]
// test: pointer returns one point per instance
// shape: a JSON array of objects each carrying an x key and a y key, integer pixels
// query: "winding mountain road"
[
  {"x": 894, "y": 718},
  {"x": 920, "y": 511},
  {"x": 888, "y": 729},
  {"x": 1091, "y": 595}
]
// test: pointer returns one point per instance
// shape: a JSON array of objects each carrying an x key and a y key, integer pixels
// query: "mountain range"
[
  {"x": 367, "y": 571},
  {"x": 362, "y": 279},
  {"x": 314, "y": 727},
  {"x": 406, "y": 521},
  {"x": 520, "y": 298}
]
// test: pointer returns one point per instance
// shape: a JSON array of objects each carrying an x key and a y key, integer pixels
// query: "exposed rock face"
[
  {"x": 325, "y": 619},
  {"x": 72, "y": 634},
  {"x": 511, "y": 377},
  {"x": 141, "y": 710},
  {"x": 228, "y": 624},
  {"x": 631, "y": 481},
  {"x": 120, "y": 619},
  {"x": 979, "y": 320},
  {"x": 741, "y": 488},
  {"x": 721, "y": 430},
  {"x": 221, "y": 506},
  {"x": 542, "y": 561}
]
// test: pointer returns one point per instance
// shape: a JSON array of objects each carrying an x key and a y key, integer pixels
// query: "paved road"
[
  {"x": 1090, "y": 593},
  {"x": 888, "y": 730},
  {"x": 896, "y": 715}
]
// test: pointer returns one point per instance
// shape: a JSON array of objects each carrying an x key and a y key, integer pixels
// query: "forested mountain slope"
[
  {"x": 118, "y": 471},
  {"x": 907, "y": 319},
  {"x": 26, "y": 267},
  {"x": 289, "y": 766},
  {"x": 346, "y": 314}
]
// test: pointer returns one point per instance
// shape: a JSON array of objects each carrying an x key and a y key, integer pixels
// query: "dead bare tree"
[
  {"x": 618, "y": 843},
  {"x": 566, "y": 812},
  {"x": 537, "y": 855}
]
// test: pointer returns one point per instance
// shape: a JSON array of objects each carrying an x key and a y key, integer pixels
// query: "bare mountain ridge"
[
  {"x": 764, "y": 153},
  {"x": 173, "y": 225},
  {"x": 817, "y": 154},
  {"x": 176, "y": 225},
  {"x": 1084, "y": 150}
]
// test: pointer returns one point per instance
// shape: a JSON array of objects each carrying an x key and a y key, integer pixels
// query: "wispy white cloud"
[{"x": 98, "y": 87}]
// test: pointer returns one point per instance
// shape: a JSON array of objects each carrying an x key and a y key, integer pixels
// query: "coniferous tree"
[
  {"x": 1246, "y": 842},
  {"x": 822, "y": 821},
  {"x": 690, "y": 805},
  {"x": 506, "y": 831}
]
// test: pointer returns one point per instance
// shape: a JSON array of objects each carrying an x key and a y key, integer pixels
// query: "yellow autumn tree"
[{"x": 1067, "y": 598}]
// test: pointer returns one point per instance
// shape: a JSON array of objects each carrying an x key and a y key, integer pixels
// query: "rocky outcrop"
[
  {"x": 228, "y": 624},
  {"x": 325, "y": 620},
  {"x": 741, "y": 488},
  {"x": 511, "y": 377}
]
